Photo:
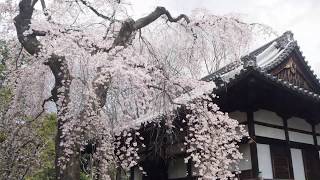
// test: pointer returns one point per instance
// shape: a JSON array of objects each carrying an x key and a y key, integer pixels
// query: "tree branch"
[
  {"x": 130, "y": 26},
  {"x": 159, "y": 11},
  {"x": 22, "y": 23},
  {"x": 96, "y": 12}
]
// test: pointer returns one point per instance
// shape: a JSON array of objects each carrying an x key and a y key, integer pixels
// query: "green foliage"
[
  {"x": 4, "y": 53},
  {"x": 43, "y": 174},
  {"x": 5, "y": 93},
  {"x": 5, "y": 97},
  {"x": 84, "y": 176},
  {"x": 2, "y": 68},
  {"x": 3, "y": 136},
  {"x": 46, "y": 131}
]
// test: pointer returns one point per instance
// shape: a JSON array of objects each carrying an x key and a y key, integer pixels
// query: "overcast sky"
[{"x": 302, "y": 17}]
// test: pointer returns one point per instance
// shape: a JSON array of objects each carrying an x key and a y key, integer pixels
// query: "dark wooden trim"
[
  {"x": 286, "y": 131},
  {"x": 297, "y": 145},
  {"x": 132, "y": 173},
  {"x": 189, "y": 168},
  {"x": 266, "y": 140},
  {"x": 251, "y": 123},
  {"x": 244, "y": 123},
  {"x": 300, "y": 131},
  {"x": 166, "y": 170},
  {"x": 314, "y": 135},
  {"x": 285, "y": 124},
  {"x": 268, "y": 125},
  {"x": 282, "y": 127},
  {"x": 253, "y": 146}
]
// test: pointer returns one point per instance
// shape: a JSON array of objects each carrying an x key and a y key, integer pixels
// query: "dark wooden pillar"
[
  {"x": 189, "y": 169},
  {"x": 251, "y": 98},
  {"x": 132, "y": 173},
  {"x": 285, "y": 126},
  {"x": 253, "y": 145},
  {"x": 314, "y": 134},
  {"x": 316, "y": 150},
  {"x": 118, "y": 173}
]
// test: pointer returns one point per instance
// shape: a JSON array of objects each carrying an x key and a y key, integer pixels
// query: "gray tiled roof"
[{"x": 264, "y": 59}]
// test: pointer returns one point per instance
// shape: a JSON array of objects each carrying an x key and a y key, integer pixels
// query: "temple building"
[{"x": 276, "y": 95}]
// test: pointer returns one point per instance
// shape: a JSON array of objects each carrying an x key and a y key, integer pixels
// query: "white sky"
[{"x": 302, "y": 17}]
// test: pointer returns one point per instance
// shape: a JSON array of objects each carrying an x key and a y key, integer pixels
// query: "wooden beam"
[{"x": 282, "y": 127}]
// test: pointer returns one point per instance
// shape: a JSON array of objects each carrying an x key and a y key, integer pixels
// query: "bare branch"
[
  {"x": 98, "y": 13},
  {"x": 130, "y": 26},
  {"x": 38, "y": 33},
  {"x": 34, "y": 3},
  {"x": 159, "y": 11}
]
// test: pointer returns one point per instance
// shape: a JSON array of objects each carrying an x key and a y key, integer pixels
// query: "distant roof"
[{"x": 264, "y": 59}]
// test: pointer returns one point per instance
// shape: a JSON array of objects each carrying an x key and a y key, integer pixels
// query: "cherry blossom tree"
[{"x": 107, "y": 73}]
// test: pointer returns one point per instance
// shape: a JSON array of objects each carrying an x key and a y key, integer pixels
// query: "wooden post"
[
  {"x": 189, "y": 168},
  {"x": 251, "y": 95},
  {"x": 253, "y": 145},
  {"x": 132, "y": 173},
  {"x": 285, "y": 125},
  {"x": 314, "y": 134}
]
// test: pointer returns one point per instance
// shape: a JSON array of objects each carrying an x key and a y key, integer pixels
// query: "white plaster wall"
[
  {"x": 240, "y": 116},
  {"x": 245, "y": 163},
  {"x": 298, "y": 123},
  {"x": 177, "y": 168},
  {"x": 300, "y": 137},
  {"x": 297, "y": 164},
  {"x": 264, "y": 161},
  {"x": 269, "y": 132},
  {"x": 267, "y": 117}
]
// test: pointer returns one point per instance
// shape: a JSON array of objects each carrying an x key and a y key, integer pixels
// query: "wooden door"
[
  {"x": 311, "y": 164},
  {"x": 280, "y": 162}
]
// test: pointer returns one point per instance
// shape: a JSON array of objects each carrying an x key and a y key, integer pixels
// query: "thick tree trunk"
[
  {"x": 72, "y": 170},
  {"x": 33, "y": 46},
  {"x": 63, "y": 79}
]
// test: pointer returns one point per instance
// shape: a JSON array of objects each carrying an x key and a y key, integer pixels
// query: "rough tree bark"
[
  {"x": 33, "y": 46},
  {"x": 63, "y": 78}
]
